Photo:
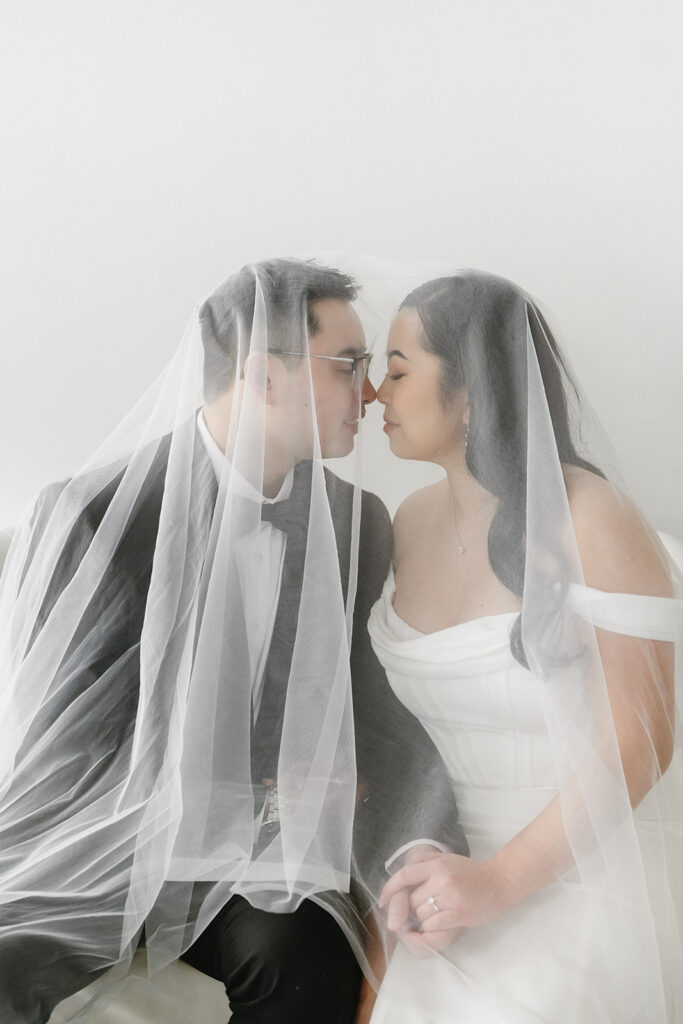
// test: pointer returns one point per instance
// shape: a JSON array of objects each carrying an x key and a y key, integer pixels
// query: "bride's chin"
[{"x": 399, "y": 451}]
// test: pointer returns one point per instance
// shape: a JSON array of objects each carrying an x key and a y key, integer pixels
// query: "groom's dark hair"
[{"x": 289, "y": 287}]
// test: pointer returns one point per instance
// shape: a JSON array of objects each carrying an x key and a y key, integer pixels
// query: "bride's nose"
[{"x": 381, "y": 393}]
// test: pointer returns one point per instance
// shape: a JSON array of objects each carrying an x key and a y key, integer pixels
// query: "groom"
[{"x": 298, "y": 967}]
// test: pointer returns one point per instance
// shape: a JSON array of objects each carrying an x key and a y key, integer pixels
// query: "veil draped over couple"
[{"x": 248, "y": 724}]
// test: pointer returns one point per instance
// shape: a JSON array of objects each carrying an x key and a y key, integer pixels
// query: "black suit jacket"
[
  {"x": 396, "y": 761},
  {"x": 393, "y": 749}
]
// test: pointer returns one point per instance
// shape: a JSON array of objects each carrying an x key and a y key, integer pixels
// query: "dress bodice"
[{"x": 484, "y": 710}]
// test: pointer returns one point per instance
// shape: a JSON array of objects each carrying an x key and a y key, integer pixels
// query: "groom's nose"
[{"x": 368, "y": 394}]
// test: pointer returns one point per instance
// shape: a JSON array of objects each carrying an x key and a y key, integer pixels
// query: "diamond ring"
[{"x": 434, "y": 904}]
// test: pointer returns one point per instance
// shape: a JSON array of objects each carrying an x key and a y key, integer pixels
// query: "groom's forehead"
[{"x": 340, "y": 332}]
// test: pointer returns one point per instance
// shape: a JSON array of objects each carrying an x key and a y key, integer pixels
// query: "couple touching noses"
[
  {"x": 538, "y": 660},
  {"x": 293, "y": 748}
]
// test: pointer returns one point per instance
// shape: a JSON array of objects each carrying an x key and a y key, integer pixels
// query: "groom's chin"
[{"x": 338, "y": 448}]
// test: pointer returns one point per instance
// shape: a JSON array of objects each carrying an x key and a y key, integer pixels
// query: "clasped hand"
[{"x": 435, "y": 895}]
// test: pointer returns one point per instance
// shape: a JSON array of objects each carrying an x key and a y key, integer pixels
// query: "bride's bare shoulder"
[
  {"x": 416, "y": 515},
  {"x": 588, "y": 492},
  {"x": 619, "y": 550},
  {"x": 596, "y": 504}
]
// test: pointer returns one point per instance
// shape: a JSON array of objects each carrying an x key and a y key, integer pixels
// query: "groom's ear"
[
  {"x": 283, "y": 384},
  {"x": 257, "y": 373}
]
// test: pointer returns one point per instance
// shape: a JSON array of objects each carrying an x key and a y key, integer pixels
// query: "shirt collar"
[{"x": 241, "y": 485}]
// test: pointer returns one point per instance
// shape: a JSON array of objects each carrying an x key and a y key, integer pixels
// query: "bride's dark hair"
[{"x": 476, "y": 325}]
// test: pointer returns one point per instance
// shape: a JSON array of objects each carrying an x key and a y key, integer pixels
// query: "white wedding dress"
[{"x": 556, "y": 958}]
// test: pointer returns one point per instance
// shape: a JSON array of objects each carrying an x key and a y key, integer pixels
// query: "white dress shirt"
[{"x": 260, "y": 557}]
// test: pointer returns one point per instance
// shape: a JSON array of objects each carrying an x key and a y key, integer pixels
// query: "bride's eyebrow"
[{"x": 395, "y": 352}]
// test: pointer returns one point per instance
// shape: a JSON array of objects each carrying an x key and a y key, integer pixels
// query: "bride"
[{"x": 530, "y": 623}]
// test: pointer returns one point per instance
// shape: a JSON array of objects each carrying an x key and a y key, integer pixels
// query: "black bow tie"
[
  {"x": 292, "y": 513},
  {"x": 279, "y": 514}
]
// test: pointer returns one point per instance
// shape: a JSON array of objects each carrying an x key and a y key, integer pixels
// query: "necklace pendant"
[{"x": 461, "y": 550}]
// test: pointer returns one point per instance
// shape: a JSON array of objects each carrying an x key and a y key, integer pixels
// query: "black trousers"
[{"x": 280, "y": 968}]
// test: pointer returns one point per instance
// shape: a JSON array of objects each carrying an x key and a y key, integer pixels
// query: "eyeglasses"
[{"x": 358, "y": 365}]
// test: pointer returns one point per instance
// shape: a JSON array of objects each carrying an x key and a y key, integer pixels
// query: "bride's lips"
[{"x": 389, "y": 426}]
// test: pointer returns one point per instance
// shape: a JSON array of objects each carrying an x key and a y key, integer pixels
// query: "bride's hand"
[
  {"x": 447, "y": 893},
  {"x": 400, "y": 916}
]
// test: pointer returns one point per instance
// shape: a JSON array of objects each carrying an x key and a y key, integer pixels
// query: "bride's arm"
[{"x": 619, "y": 554}]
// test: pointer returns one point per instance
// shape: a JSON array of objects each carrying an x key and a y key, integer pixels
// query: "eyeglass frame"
[{"x": 355, "y": 361}]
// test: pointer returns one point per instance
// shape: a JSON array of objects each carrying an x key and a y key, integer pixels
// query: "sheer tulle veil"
[{"x": 129, "y": 792}]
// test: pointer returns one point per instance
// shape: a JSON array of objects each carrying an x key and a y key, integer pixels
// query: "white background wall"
[{"x": 152, "y": 147}]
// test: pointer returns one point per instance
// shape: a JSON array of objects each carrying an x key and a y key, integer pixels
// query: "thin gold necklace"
[{"x": 462, "y": 548}]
